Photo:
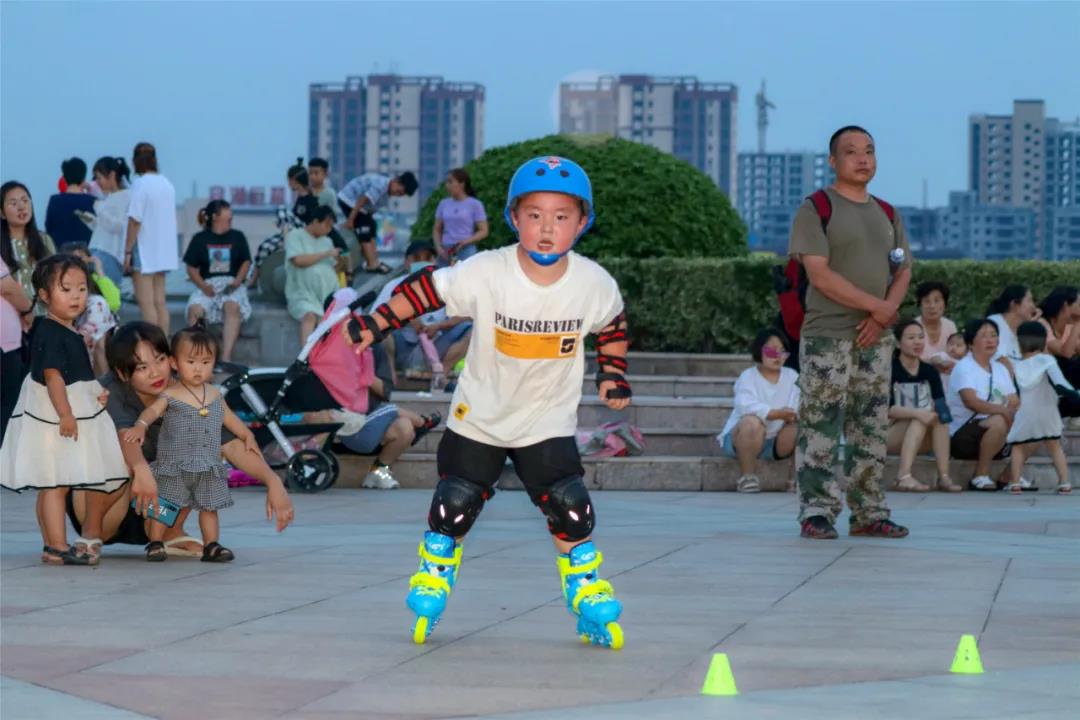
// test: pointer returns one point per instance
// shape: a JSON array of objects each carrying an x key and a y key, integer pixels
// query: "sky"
[{"x": 221, "y": 88}]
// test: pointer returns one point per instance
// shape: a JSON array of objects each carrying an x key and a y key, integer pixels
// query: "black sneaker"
[
  {"x": 879, "y": 528},
  {"x": 819, "y": 528}
]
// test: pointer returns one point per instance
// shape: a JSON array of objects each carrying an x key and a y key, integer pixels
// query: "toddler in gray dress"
[{"x": 188, "y": 469}]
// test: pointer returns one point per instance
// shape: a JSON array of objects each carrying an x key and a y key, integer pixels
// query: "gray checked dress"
[{"x": 188, "y": 468}]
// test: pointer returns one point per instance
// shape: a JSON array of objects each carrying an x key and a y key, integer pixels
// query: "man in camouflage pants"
[{"x": 849, "y": 244}]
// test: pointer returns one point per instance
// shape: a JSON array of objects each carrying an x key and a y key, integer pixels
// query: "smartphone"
[{"x": 163, "y": 511}]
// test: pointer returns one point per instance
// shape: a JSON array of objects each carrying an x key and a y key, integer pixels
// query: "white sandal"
[
  {"x": 173, "y": 550},
  {"x": 89, "y": 546},
  {"x": 748, "y": 484},
  {"x": 1064, "y": 489}
]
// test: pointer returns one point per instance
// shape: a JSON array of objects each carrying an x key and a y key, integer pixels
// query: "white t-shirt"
[
  {"x": 110, "y": 223},
  {"x": 969, "y": 375},
  {"x": 1007, "y": 343},
  {"x": 153, "y": 204},
  {"x": 754, "y": 395},
  {"x": 526, "y": 361}
]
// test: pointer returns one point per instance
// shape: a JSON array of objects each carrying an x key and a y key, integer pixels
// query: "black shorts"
[
  {"x": 965, "y": 442},
  {"x": 132, "y": 529},
  {"x": 308, "y": 394},
  {"x": 365, "y": 229},
  {"x": 539, "y": 466}
]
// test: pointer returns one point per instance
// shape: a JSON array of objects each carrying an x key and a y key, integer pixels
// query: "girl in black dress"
[{"x": 60, "y": 436}]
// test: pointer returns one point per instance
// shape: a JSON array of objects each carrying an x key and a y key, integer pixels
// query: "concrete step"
[
  {"x": 269, "y": 338},
  {"x": 682, "y": 364},
  {"x": 647, "y": 412},
  {"x": 644, "y": 385},
  {"x": 658, "y": 441},
  {"x": 683, "y": 473}
]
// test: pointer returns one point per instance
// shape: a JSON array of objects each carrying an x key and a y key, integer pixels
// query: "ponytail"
[
  {"x": 207, "y": 214},
  {"x": 115, "y": 165},
  {"x": 1011, "y": 294}
]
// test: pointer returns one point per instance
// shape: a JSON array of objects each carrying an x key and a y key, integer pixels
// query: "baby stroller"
[{"x": 261, "y": 397}]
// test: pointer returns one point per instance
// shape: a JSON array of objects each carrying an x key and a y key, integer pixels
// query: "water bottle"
[{"x": 438, "y": 378}]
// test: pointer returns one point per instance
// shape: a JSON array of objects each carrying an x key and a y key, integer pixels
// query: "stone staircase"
[{"x": 681, "y": 403}]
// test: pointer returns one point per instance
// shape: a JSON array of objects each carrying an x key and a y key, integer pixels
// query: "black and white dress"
[
  {"x": 188, "y": 467},
  {"x": 34, "y": 455}
]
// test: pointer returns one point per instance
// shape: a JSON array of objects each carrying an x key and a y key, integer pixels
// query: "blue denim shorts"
[{"x": 727, "y": 446}]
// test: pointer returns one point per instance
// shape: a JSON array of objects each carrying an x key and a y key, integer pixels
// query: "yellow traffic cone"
[
  {"x": 967, "y": 660},
  {"x": 719, "y": 680}
]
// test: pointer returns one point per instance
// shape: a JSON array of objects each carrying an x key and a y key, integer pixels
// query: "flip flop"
[
  {"x": 172, "y": 547},
  {"x": 380, "y": 269}
]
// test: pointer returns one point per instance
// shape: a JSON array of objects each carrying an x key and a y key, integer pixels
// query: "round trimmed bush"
[{"x": 648, "y": 203}]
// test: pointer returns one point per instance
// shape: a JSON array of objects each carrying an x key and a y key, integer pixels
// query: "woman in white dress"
[{"x": 152, "y": 249}]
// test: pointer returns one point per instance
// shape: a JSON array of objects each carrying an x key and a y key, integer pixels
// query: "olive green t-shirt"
[{"x": 857, "y": 245}]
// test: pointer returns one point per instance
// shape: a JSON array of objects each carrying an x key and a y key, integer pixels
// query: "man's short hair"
[
  {"x": 847, "y": 128},
  {"x": 319, "y": 163},
  {"x": 408, "y": 182}
]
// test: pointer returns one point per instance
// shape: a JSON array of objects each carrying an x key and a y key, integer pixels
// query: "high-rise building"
[
  {"x": 1009, "y": 163},
  {"x": 774, "y": 180},
  {"x": 690, "y": 119},
  {"x": 1062, "y": 190},
  {"x": 986, "y": 232},
  {"x": 393, "y": 123}
]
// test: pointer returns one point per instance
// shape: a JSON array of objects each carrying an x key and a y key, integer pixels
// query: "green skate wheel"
[
  {"x": 616, "y": 635},
  {"x": 420, "y": 630}
]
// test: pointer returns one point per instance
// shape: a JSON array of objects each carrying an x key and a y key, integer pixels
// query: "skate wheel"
[
  {"x": 615, "y": 631},
  {"x": 584, "y": 639},
  {"x": 420, "y": 630}
]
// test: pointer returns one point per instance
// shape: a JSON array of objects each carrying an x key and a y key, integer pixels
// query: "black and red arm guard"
[
  {"x": 612, "y": 343},
  {"x": 414, "y": 296}
]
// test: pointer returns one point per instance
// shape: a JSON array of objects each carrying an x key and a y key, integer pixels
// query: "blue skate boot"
[
  {"x": 429, "y": 588},
  {"x": 589, "y": 598}
]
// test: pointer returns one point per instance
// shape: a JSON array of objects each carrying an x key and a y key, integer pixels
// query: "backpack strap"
[
  {"x": 890, "y": 211},
  {"x": 823, "y": 206}
]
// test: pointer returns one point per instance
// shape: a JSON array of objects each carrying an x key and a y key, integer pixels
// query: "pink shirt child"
[{"x": 346, "y": 373}]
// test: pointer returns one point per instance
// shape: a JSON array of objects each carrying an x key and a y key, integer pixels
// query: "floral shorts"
[{"x": 214, "y": 306}]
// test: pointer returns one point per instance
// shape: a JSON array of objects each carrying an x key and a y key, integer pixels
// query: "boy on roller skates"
[{"x": 532, "y": 305}]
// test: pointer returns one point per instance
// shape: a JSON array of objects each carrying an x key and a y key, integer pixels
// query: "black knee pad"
[
  {"x": 456, "y": 505},
  {"x": 568, "y": 509}
]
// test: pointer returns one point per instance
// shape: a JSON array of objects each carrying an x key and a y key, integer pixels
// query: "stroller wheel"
[{"x": 311, "y": 471}]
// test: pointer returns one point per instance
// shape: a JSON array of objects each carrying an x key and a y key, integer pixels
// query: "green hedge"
[
  {"x": 648, "y": 203},
  {"x": 718, "y": 305}
]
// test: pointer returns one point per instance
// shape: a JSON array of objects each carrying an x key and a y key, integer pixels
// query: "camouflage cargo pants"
[{"x": 845, "y": 389}]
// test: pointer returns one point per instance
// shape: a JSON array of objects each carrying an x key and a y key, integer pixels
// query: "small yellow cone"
[
  {"x": 719, "y": 680},
  {"x": 967, "y": 660}
]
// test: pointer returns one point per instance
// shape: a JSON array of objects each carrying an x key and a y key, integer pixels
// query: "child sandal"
[{"x": 216, "y": 552}]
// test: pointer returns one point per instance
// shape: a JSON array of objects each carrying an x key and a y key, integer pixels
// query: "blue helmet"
[{"x": 550, "y": 174}]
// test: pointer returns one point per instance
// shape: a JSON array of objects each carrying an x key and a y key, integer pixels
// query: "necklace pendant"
[{"x": 203, "y": 412}]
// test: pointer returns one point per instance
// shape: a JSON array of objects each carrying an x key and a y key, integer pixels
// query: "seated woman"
[
  {"x": 1061, "y": 318},
  {"x": 138, "y": 355},
  {"x": 983, "y": 401},
  {"x": 217, "y": 262},
  {"x": 933, "y": 300},
  {"x": 918, "y": 415},
  {"x": 352, "y": 389},
  {"x": 764, "y": 423},
  {"x": 310, "y": 269}
]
